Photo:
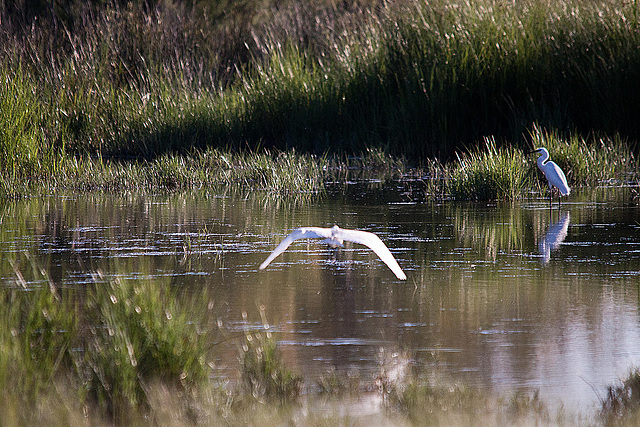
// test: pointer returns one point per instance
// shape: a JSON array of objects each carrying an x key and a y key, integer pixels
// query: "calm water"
[{"x": 499, "y": 296}]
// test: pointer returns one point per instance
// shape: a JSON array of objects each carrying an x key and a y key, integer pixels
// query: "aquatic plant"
[
  {"x": 277, "y": 173},
  {"x": 429, "y": 401},
  {"x": 489, "y": 172},
  {"x": 140, "y": 335},
  {"x": 621, "y": 406},
  {"x": 38, "y": 330},
  {"x": 99, "y": 350},
  {"x": 263, "y": 372},
  {"x": 338, "y": 384}
]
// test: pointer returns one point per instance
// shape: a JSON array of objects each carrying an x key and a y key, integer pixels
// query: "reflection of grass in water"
[{"x": 501, "y": 229}]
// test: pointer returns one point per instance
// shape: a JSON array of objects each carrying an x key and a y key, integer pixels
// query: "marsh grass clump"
[
  {"x": 139, "y": 336},
  {"x": 99, "y": 351},
  {"x": 38, "y": 330},
  {"x": 263, "y": 371},
  {"x": 427, "y": 402},
  {"x": 338, "y": 384},
  {"x": 281, "y": 173},
  {"x": 489, "y": 173},
  {"x": 621, "y": 406},
  {"x": 25, "y": 149}
]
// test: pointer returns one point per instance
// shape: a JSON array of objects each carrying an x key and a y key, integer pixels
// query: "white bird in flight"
[
  {"x": 553, "y": 173},
  {"x": 334, "y": 237}
]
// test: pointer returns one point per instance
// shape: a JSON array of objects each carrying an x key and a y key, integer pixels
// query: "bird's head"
[{"x": 539, "y": 150}]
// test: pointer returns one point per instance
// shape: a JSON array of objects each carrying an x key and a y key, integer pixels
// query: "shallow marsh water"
[{"x": 499, "y": 296}]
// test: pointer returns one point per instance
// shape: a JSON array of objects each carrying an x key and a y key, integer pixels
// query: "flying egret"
[
  {"x": 334, "y": 237},
  {"x": 553, "y": 173}
]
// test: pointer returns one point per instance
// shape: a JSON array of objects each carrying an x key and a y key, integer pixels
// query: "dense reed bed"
[{"x": 422, "y": 80}]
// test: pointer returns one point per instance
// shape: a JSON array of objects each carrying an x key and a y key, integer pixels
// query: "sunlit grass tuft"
[
  {"x": 140, "y": 335},
  {"x": 98, "y": 350},
  {"x": 490, "y": 173}
]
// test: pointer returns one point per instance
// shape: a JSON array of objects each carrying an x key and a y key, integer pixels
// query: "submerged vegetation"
[{"x": 142, "y": 92}]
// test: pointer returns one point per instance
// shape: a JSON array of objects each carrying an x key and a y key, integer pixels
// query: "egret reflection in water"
[{"x": 554, "y": 236}]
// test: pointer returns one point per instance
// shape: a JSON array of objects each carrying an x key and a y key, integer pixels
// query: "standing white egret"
[
  {"x": 334, "y": 237},
  {"x": 553, "y": 173}
]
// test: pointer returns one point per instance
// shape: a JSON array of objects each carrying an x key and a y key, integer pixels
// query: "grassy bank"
[
  {"x": 486, "y": 172},
  {"x": 420, "y": 80}
]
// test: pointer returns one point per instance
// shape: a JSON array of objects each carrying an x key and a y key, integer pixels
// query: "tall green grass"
[
  {"x": 25, "y": 150},
  {"x": 414, "y": 78},
  {"x": 490, "y": 172},
  {"x": 143, "y": 83}
]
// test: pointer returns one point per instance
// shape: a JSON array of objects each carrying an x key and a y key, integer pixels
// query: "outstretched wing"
[
  {"x": 300, "y": 233},
  {"x": 376, "y": 245}
]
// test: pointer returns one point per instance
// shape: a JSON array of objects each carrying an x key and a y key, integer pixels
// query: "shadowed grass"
[{"x": 412, "y": 78}]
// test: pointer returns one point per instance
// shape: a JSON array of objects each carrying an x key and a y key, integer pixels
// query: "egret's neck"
[{"x": 544, "y": 156}]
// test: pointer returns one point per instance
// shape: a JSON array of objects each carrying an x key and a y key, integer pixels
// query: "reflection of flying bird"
[
  {"x": 553, "y": 173},
  {"x": 554, "y": 236},
  {"x": 334, "y": 237}
]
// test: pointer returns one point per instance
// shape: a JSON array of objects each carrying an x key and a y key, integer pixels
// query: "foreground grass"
[
  {"x": 135, "y": 352},
  {"x": 97, "y": 351}
]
